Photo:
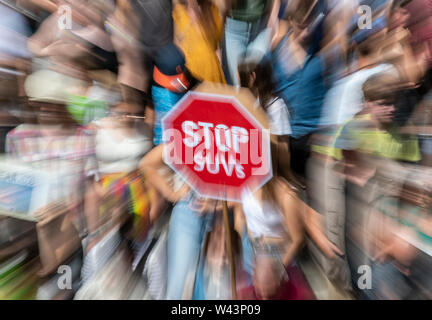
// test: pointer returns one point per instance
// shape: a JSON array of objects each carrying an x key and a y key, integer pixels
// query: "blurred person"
[
  {"x": 342, "y": 102},
  {"x": 275, "y": 233},
  {"x": 396, "y": 49},
  {"x": 93, "y": 37},
  {"x": 345, "y": 99},
  {"x": 255, "y": 75},
  {"x": 36, "y": 141},
  {"x": 335, "y": 46},
  {"x": 414, "y": 212},
  {"x": 116, "y": 192},
  {"x": 372, "y": 154},
  {"x": 123, "y": 25},
  {"x": 155, "y": 30},
  {"x": 73, "y": 57},
  {"x": 411, "y": 62},
  {"x": 72, "y": 52},
  {"x": 250, "y": 26},
  {"x": 212, "y": 281},
  {"x": 397, "y": 45},
  {"x": 300, "y": 78},
  {"x": 156, "y": 23},
  {"x": 277, "y": 220},
  {"x": 419, "y": 24},
  {"x": 50, "y": 135},
  {"x": 379, "y": 94},
  {"x": 171, "y": 80},
  {"x": 399, "y": 227},
  {"x": 198, "y": 31},
  {"x": 191, "y": 220},
  {"x": 100, "y": 64}
]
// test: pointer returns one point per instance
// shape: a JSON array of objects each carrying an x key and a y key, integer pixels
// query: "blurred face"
[
  {"x": 400, "y": 17},
  {"x": 51, "y": 114},
  {"x": 127, "y": 113},
  {"x": 301, "y": 32},
  {"x": 382, "y": 110}
]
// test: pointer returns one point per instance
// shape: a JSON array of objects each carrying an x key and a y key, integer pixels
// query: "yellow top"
[
  {"x": 199, "y": 44},
  {"x": 376, "y": 142}
]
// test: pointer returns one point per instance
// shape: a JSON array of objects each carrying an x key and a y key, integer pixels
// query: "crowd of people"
[{"x": 346, "y": 86}]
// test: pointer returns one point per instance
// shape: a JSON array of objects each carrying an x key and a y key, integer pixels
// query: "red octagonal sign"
[{"x": 217, "y": 144}]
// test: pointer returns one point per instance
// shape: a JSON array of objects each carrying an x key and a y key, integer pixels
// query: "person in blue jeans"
[
  {"x": 191, "y": 219},
  {"x": 213, "y": 277},
  {"x": 249, "y": 28},
  {"x": 187, "y": 231}
]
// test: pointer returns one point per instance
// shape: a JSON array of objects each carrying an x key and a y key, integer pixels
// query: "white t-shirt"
[
  {"x": 117, "y": 154},
  {"x": 262, "y": 219},
  {"x": 278, "y": 115},
  {"x": 345, "y": 99}
]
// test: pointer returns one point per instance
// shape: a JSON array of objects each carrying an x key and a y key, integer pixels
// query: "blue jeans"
[
  {"x": 248, "y": 253},
  {"x": 248, "y": 262},
  {"x": 243, "y": 39},
  {"x": 386, "y": 274},
  {"x": 186, "y": 235}
]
